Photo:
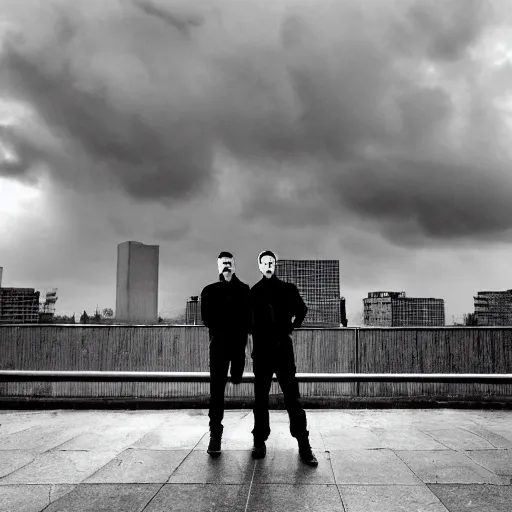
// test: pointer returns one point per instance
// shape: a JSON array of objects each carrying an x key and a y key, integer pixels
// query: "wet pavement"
[{"x": 369, "y": 461}]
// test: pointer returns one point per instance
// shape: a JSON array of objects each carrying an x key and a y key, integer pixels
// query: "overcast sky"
[{"x": 373, "y": 132}]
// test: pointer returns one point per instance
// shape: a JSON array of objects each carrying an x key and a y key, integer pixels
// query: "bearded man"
[
  {"x": 277, "y": 309},
  {"x": 225, "y": 310}
]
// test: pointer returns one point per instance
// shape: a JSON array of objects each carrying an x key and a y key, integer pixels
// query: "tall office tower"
[
  {"x": 318, "y": 282},
  {"x": 493, "y": 308},
  {"x": 193, "y": 311},
  {"x": 394, "y": 309},
  {"x": 1, "y": 273},
  {"x": 137, "y": 283}
]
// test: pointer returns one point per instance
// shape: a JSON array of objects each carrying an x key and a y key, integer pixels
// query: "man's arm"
[
  {"x": 299, "y": 307},
  {"x": 247, "y": 309},
  {"x": 206, "y": 309}
]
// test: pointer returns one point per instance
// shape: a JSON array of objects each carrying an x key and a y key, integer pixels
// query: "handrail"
[{"x": 140, "y": 376}]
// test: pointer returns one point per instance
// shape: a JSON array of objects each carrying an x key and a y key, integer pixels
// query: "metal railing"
[{"x": 141, "y": 376}]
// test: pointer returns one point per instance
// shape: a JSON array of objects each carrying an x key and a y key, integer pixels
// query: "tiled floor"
[{"x": 155, "y": 461}]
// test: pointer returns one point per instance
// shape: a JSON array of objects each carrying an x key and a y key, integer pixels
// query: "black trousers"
[
  {"x": 276, "y": 358},
  {"x": 225, "y": 351}
]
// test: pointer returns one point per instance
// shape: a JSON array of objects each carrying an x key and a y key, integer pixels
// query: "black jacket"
[
  {"x": 274, "y": 303},
  {"x": 225, "y": 308}
]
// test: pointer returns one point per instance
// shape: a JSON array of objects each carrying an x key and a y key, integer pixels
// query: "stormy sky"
[{"x": 373, "y": 132}]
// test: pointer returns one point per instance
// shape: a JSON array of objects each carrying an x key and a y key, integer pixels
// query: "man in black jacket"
[
  {"x": 277, "y": 309},
  {"x": 225, "y": 310}
]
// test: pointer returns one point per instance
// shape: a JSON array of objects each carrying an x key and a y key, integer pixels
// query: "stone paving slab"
[
  {"x": 474, "y": 498},
  {"x": 139, "y": 466},
  {"x": 59, "y": 468},
  {"x": 37, "y": 438},
  {"x": 232, "y": 467},
  {"x": 390, "y": 498},
  {"x": 369, "y": 461},
  {"x": 371, "y": 467},
  {"x": 115, "y": 438},
  {"x": 362, "y": 437},
  {"x": 498, "y": 462},
  {"x": 296, "y": 498},
  {"x": 30, "y": 498},
  {"x": 447, "y": 467},
  {"x": 281, "y": 467},
  {"x": 200, "y": 498},
  {"x": 11, "y": 460},
  {"x": 105, "y": 498},
  {"x": 494, "y": 438},
  {"x": 167, "y": 437},
  {"x": 406, "y": 439},
  {"x": 459, "y": 439}
]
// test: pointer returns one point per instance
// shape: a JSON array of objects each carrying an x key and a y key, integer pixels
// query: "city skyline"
[{"x": 373, "y": 133}]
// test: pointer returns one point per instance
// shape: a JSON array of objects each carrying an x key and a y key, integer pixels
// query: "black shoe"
[
  {"x": 259, "y": 450},
  {"x": 306, "y": 454},
  {"x": 214, "y": 446}
]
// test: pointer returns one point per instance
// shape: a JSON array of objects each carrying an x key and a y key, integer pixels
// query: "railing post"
[{"x": 357, "y": 362}]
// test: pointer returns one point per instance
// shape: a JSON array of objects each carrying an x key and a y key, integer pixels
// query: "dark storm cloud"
[
  {"x": 181, "y": 23},
  {"x": 441, "y": 200},
  {"x": 444, "y": 33},
  {"x": 152, "y": 153},
  {"x": 378, "y": 110},
  {"x": 174, "y": 234}
]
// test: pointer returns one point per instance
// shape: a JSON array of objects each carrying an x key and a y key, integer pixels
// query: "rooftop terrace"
[{"x": 369, "y": 461}]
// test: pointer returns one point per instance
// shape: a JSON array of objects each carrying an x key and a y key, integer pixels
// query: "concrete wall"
[
  {"x": 166, "y": 348},
  {"x": 137, "y": 283}
]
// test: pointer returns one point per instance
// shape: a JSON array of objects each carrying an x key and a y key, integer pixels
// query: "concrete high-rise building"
[
  {"x": 318, "y": 282},
  {"x": 343, "y": 312},
  {"x": 19, "y": 306},
  {"x": 394, "y": 309},
  {"x": 193, "y": 311},
  {"x": 137, "y": 283},
  {"x": 493, "y": 308}
]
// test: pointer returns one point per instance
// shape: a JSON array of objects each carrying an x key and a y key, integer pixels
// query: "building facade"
[
  {"x": 19, "y": 306},
  {"x": 318, "y": 282},
  {"x": 193, "y": 311},
  {"x": 394, "y": 309},
  {"x": 137, "y": 283},
  {"x": 493, "y": 308}
]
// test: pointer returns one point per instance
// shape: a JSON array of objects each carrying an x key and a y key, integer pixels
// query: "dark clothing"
[
  {"x": 274, "y": 304},
  {"x": 225, "y": 310},
  {"x": 282, "y": 364},
  {"x": 225, "y": 307},
  {"x": 223, "y": 352}
]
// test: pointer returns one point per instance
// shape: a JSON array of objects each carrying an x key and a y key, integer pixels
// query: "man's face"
[
  {"x": 226, "y": 266},
  {"x": 267, "y": 266}
]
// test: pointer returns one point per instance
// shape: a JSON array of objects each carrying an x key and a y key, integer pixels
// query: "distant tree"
[
  {"x": 470, "y": 319},
  {"x": 178, "y": 319},
  {"x": 84, "y": 318},
  {"x": 108, "y": 313},
  {"x": 63, "y": 319},
  {"x": 97, "y": 317}
]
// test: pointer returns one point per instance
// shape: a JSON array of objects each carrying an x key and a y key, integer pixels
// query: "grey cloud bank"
[
  {"x": 144, "y": 92},
  {"x": 391, "y": 119}
]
